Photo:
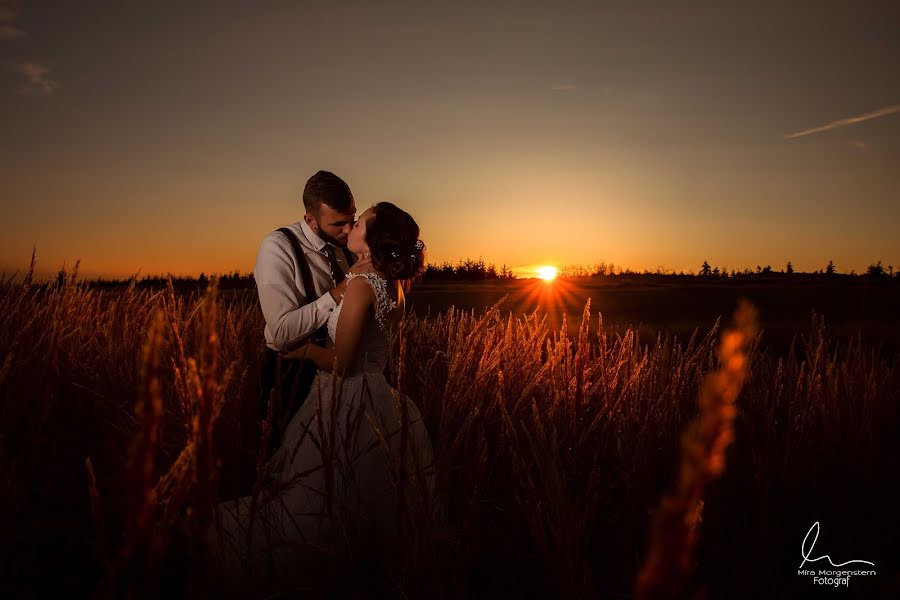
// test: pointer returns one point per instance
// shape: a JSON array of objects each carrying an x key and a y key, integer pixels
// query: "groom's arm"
[{"x": 289, "y": 317}]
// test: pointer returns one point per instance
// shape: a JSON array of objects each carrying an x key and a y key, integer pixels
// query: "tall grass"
[{"x": 126, "y": 415}]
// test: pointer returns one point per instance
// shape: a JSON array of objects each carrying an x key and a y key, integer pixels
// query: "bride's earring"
[{"x": 367, "y": 255}]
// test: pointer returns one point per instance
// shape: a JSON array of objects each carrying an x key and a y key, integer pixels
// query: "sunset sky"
[{"x": 173, "y": 136}]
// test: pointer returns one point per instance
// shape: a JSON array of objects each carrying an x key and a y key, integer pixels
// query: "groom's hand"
[
  {"x": 337, "y": 292},
  {"x": 298, "y": 353}
]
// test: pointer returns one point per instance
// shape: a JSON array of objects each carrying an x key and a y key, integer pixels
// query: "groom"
[{"x": 300, "y": 277}]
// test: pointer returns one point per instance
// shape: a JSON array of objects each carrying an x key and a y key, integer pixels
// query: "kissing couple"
[{"x": 345, "y": 446}]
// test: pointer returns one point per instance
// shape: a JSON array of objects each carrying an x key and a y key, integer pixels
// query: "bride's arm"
[{"x": 359, "y": 300}]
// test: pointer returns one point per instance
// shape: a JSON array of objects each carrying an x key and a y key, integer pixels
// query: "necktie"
[{"x": 337, "y": 274}]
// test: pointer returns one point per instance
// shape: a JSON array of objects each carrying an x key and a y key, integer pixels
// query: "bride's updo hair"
[{"x": 393, "y": 239}]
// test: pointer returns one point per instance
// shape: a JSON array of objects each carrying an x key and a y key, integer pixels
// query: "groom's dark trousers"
[{"x": 287, "y": 382}]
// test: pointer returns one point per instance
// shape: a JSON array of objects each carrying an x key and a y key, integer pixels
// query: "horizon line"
[{"x": 615, "y": 269}]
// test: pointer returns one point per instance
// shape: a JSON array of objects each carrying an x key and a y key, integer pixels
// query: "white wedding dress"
[{"x": 338, "y": 474}]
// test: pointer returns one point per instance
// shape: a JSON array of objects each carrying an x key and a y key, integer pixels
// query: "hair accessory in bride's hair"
[
  {"x": 394, "y": 254},
  {"x": 417, "y": 248}
]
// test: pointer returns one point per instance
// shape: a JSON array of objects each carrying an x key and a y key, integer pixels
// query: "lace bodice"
[{"x": 375, "y": 342}]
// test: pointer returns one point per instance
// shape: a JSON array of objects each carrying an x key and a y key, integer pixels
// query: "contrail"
[{"x": 881, "y": 112}]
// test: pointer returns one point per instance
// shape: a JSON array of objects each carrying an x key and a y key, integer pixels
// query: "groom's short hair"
[{"x": 327, "y": 188}]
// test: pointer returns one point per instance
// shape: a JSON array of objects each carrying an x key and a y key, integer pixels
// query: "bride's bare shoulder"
[{"x": 361, "y": 290}]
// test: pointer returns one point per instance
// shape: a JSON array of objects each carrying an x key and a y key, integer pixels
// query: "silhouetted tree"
[
  {"x": 602, "y": 269},
  {"x": 705, "y": 269},
  {"x": 875, "y": 270},
  {"x": 829, "y": 270},
  {"x": 790, "y": 268}
]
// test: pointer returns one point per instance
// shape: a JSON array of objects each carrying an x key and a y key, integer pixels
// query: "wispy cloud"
[
  {"x": 37, "y": 75},
  {"x": 881, "y": 112},
  {"x": 37, "y": 78},
  {"x": 860, "y": 145},
  {"x": 8, "y": 29},
  {"x": 564, "y": 87}
]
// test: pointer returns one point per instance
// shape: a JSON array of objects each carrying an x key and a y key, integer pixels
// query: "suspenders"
[
  {"x": 305, "y": 273},
  {"x": 321, "y": 333}
]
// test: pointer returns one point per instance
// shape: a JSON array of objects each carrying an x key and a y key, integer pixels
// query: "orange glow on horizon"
[{"x": 547, "y": 273}]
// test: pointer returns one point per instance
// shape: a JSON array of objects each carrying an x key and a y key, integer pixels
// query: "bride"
[{"x": 356, "y": 457}]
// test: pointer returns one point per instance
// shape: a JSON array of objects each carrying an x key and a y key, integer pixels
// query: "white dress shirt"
[{"x": 292, "y": 313}]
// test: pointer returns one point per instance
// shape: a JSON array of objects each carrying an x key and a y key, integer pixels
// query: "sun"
[{"x": 547, "y": 273}]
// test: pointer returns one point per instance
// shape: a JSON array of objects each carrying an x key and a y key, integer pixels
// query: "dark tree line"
[
  {"x": 466, "y": 270},
  {"x": 480, "y": 270},
  {"x": 876, "y": 270},
  {"x": 234, "y": 280}
]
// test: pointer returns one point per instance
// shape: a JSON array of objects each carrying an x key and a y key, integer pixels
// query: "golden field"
[{"x": 569, "y": 461}]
